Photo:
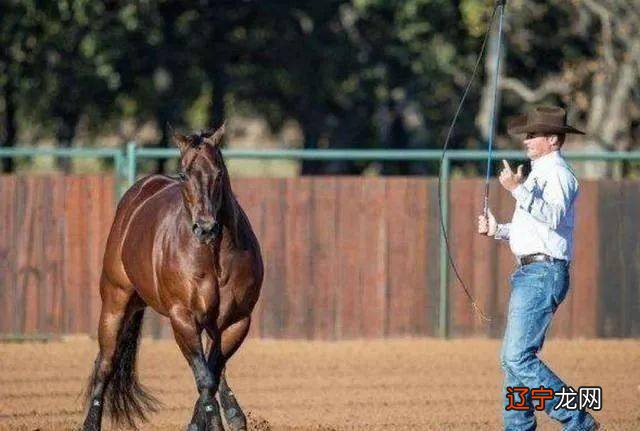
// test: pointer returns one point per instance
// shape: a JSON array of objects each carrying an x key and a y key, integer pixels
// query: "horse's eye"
[{"x": 182, "y": 176}]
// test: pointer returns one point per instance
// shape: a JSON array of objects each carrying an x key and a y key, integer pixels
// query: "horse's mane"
[{"x": 197, "y": 139}]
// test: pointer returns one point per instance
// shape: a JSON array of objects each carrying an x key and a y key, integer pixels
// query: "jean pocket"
[
  {"x": 561, "y": 287},
  {"x": 531, "y": 289}
]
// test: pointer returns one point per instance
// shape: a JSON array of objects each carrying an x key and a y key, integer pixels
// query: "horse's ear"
[
  {"x": 216, "y": 139},
  {"x": 180, "y": 141}
]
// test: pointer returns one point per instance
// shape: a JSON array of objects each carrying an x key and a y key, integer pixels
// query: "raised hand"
[{"x": 509, "y": 179}]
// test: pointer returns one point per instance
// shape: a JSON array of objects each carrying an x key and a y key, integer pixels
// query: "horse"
[{"x": 184, "y": 247}]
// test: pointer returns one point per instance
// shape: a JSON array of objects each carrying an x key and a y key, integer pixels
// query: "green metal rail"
[
  {"x": 126, "y": 172},
  {"x": 115, "y": 154}
]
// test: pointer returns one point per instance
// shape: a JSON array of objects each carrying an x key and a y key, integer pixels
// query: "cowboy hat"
[{"x": 543, "y": 119}]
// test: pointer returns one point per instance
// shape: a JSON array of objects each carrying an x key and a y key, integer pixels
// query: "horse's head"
[{"x": 205, "y": 181}]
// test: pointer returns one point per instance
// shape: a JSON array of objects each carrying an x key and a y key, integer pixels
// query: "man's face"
[{"x": 539, "y": 144}]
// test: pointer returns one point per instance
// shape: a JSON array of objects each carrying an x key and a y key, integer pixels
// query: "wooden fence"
[{"x": 345, "y": 257}]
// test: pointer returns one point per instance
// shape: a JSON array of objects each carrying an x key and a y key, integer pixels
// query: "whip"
[{"x": 498, "y": 8}]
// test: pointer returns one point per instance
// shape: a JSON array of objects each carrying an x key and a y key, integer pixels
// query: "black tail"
[{"x": 125, "y": 398}]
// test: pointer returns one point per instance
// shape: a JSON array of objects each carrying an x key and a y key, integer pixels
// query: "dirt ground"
[{"x": 296, "y": 385}]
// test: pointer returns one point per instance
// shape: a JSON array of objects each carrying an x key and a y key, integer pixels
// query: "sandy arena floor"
[{"x": 293, "y": 385}]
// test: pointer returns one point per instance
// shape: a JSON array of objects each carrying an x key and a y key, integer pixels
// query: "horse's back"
[{"x": 141, "y": 191}]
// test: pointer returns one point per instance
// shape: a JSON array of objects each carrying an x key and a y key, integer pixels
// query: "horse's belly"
[{"x": 139, "y": 250}]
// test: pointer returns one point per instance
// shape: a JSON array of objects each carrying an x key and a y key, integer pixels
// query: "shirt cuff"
[
  {"x": 520, "y": 194},
  {"x": 502, "y": 232}
]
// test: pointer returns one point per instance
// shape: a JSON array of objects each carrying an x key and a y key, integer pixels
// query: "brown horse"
[{"x": 185, "y": 248}]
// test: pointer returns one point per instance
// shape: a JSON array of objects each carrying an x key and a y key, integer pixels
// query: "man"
[{"x": 541, "y": 237}]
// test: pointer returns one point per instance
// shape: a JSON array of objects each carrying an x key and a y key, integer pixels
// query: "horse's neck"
[{"x": 236, "y": 222}]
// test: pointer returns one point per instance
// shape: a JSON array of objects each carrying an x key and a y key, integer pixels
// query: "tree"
[
  {"x": 595, "y": 81},
  {"x": 17, "y": 32},
  {"x": 71, "y": 70}
]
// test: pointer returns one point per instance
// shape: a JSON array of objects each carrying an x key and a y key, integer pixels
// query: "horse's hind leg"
[
  {"x": 187, "y": 334},
  {"x": 115, "y": 311},
  {"x": 232, "y": 338}
]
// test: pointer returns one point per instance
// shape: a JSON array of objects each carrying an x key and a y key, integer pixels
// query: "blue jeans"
[{"x": 537, "y": 290}]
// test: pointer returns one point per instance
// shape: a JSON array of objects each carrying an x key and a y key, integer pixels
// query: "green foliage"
[{"x": 334, "y": 66}]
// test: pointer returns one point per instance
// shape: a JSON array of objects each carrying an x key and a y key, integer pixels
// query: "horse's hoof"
[
  {"x": 236, "y": 422},
  {"x": 237, "y": 425},
  {"x": 214, "y": 423}
]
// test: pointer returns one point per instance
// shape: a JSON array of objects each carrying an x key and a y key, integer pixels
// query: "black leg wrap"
[
  {"x": 94, "y": 417},
  {"x": 232, "y": 412},
  {"x": 198, "y": 421},
  {"x": 212, "y": 414}
]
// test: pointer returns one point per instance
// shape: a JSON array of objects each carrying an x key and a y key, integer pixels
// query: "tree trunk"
[
  {"x": 65, "y": 132},
  {"x": 311, "y": 135},
  {"x": 219, "y": 83},
  {"x": 483, "y": 119},
  {"x": 10, "y": 126},
  {"x": 163, "y": 118}
]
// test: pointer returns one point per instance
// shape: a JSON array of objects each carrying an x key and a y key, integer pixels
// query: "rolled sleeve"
[{"x": 522, "y": 195}]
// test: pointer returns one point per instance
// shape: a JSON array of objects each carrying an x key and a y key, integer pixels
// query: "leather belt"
[{"x": 538, "y": 257}]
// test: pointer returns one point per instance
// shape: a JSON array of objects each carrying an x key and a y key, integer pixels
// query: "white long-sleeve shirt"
[{"x": 544, "y": 216}]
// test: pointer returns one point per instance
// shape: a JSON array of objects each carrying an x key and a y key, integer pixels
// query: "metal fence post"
[
  {"x": 131, "y": 163},
  {"x": 443, "y": 316},
  {"x": 118, "y": 160}
]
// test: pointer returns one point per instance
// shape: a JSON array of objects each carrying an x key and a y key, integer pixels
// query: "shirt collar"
[{"x": 546, "y": 160}]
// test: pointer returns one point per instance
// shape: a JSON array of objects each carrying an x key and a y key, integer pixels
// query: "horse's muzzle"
[{"x": 206, "y": 231}]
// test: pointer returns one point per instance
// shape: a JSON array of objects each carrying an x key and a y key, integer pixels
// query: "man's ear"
[{"x": 554, "y": 140}]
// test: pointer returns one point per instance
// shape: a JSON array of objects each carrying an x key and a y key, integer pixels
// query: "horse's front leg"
[
  {"x": 187, "y": 334},
  {"x": 233, "y": 414},
  {"x": 232, "y": 338}
]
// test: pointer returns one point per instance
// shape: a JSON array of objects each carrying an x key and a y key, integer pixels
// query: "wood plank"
[
  {"x": 35, "y": 294},
  {"x": 56, "y": 255},
  {"x": 349, "y": 299},
  {"x": 324, "y": 279},
  {"x": 611, "y": 237},
  {"x": 461, "y": 246},
  {"x": 631, "y": 262},
  {"x": 416, "y": 205},
  {"x": 273, "y": 320},
  {"x": 432, "y": 221},
  {"x": 25, "y": 274},
  {"x": 8, "y": 252},
  {"x": 373, "y": 239},
  {"x": 398, "y": 297},
  {"x": 73, "y": 255},
  {"x": 585, "y": 265},
  {"x": 297, "y": 257},
  {"x": 93, "y": 198}
]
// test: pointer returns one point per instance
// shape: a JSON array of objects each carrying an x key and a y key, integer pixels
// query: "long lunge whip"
[{"x": 499, "y": 7}]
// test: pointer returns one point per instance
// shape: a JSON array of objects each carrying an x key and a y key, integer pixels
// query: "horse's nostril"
[
  {"x": 197, "y": 230},
  {"x": 202, "y": 229}
]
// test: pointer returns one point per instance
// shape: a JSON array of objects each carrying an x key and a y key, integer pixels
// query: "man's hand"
[
  {"x": 509, "y": 179},
  {"x": 487, "y": 224}
]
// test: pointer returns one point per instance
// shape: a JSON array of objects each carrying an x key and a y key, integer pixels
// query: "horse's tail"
[{"x": 126, "y": 399}]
